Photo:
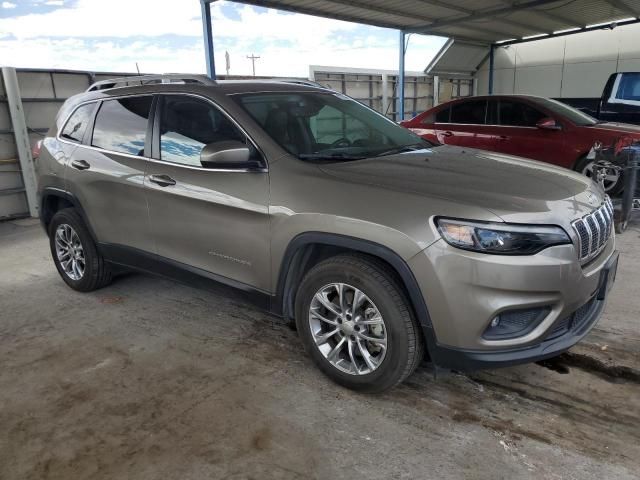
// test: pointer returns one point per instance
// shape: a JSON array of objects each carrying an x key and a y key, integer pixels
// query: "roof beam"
[
  {"x": 311, "y": 11},
  {"x": 386, "y": 11},
  {"x": 555, "y": 17},
  {"x": 479, "y": 15},
  {"x": 500, "y": 34},
  {"x": 439, "y": 3},
  {"x": 623, "y": 7}
]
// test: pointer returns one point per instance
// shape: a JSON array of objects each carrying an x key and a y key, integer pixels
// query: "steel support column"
[
  {"x": 491, "y": 67},
  {"x": 207, "y": 32},
  {"x": 400, "y": 84}
]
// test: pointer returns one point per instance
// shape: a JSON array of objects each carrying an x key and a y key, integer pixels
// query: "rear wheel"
[
  {"x": 75, "y": 254},
  {"x": 613, "y": 183},
  {"x": 356, "y": 325}
]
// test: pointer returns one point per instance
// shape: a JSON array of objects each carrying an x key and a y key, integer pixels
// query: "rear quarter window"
[{"x": 77, "y": 123}]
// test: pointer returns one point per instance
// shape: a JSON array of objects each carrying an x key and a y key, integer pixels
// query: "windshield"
[
  {"x": 327, "y": 126},
  {"x": 574, "y": 115}
]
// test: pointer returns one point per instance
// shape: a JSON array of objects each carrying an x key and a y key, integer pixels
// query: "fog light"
[{"x": 515, "y": 323}]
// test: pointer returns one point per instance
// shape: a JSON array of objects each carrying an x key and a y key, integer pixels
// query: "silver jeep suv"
[{"x": 380, "y": 246}]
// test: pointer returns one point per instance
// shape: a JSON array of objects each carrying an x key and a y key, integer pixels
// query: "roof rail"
[{"x": 147, "y": 79}]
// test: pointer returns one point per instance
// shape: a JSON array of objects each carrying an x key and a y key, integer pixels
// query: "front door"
[
  {"x": 517, "y": 134},
  {"x": 215, "y": 220}
]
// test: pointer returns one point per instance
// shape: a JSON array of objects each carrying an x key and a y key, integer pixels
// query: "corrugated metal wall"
[
  {"x": 575, "y": 66},
  {"x": 13, "y": 202},
  {"x": 378, "y": 92},
  {"x": 42, "y": 92}
]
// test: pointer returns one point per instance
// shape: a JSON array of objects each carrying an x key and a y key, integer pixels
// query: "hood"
[{"x": 514, "y": 189}]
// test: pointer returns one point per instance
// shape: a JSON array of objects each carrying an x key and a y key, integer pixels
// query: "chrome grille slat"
[
  {"x": 594, "y": 230},
  {"x": 594, "y": 233},
  {"x": 603, "y": 226}
]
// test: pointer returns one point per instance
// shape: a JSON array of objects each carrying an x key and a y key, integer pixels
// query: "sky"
[{"x": 166, "y": 36}]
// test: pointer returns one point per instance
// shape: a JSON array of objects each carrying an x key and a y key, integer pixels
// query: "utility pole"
[
  {"x": 253, "y": 59},
  {"x": 227, "y": 61}
]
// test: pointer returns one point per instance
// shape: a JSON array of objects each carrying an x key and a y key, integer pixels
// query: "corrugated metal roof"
[
  {"x": 481, "y": 21},
  {"x": 457, "y": 59}
]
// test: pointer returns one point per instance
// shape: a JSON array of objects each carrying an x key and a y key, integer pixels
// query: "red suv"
[{"x": 526, "y": 126}]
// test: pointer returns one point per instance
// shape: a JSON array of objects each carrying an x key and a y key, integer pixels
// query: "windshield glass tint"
[
  {"x": 574, "y": 115},
  {"x": 327, "y": 125}
]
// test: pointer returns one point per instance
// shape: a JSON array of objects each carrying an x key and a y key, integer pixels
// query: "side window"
[
  {"x": 518, "y": 114},
  {"x": 471, "y": 112},
  {"x": 443, "y": 115},
  {"x": 77, "y": 123},
  {"x": 188, "y": 124},
  {"x": 121, "y": 125},
  {"x": 629, "y": 88}
]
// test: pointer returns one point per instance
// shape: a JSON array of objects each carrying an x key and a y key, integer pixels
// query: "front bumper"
[{"x": 464, "y": 291}]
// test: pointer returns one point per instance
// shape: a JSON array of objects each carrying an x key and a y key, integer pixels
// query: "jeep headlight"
[{"x": 500, "y": 238}]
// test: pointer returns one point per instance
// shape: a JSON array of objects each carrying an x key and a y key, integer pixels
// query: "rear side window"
[
  {"x": 629, "y": 88},
  {"x": 472, "y": 112},
  {"x": 188, "y": 124},
  {"x": 443, "y": 115},
  {"x": 77, "y": 123},
  {"x": 121, "y": 125},
  {"x": 518, "y": 114}
]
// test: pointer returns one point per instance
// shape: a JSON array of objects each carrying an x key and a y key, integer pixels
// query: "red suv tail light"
[{"x": 35, "y": 150}]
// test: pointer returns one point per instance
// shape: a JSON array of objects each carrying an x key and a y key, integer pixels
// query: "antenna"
[{"x": 138, "y": 69}]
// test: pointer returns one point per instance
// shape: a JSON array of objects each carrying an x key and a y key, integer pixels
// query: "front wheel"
[{"x": 356, "y": 325}]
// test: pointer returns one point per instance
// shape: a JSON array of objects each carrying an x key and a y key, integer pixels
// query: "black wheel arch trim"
[
  {"x": 69, "y": 197},
  {"x": 294, "y": 255}
]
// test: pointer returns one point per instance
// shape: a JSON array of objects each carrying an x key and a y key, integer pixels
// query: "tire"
[
  {"x": 404, "y": 343},
  {"x": 96, "y": 273},
  {"x": 582, "y": 166}
]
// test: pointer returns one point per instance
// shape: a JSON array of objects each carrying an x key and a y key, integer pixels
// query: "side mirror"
[
  {"x": 224, "y": 153},
  {"x": 548, "y": 123}
]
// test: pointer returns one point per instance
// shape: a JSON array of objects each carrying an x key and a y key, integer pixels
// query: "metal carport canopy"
[{"x": 481, "y": 22}]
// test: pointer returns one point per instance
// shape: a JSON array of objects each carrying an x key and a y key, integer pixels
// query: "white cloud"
[
  {"x": 70, "y": 37},
  {"x": 58, "y": 3},
  {"x": 8, "y": 5}
]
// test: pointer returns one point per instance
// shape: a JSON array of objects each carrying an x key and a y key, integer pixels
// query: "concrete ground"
[{"x": 150, "y": 379}]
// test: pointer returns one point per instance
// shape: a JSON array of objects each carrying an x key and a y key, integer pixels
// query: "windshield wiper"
[
  {"x": 402, "y": 149},
  {"x": 329, "y": 156}
]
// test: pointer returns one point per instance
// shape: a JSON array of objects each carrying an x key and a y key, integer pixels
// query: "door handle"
[
  {"x": 503, "y": 138},
  {"x": 80, "y": 164},
  {"x": 162, "y": 180},
  {"x": 447, "y": 134}
]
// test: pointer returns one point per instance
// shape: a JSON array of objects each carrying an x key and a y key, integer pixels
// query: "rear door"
[
  {"x": 517, "y": 134},
  {"x": 215, "y": 220},
  {"x": 106, "y": 172},
  {"x": 466, "y": 125}
]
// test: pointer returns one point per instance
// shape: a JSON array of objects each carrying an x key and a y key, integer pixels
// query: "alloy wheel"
[
  {"x": 610, "y": 180},
  {"x": 69, "y": 251},
  {"x": 348, "y": 329}
]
